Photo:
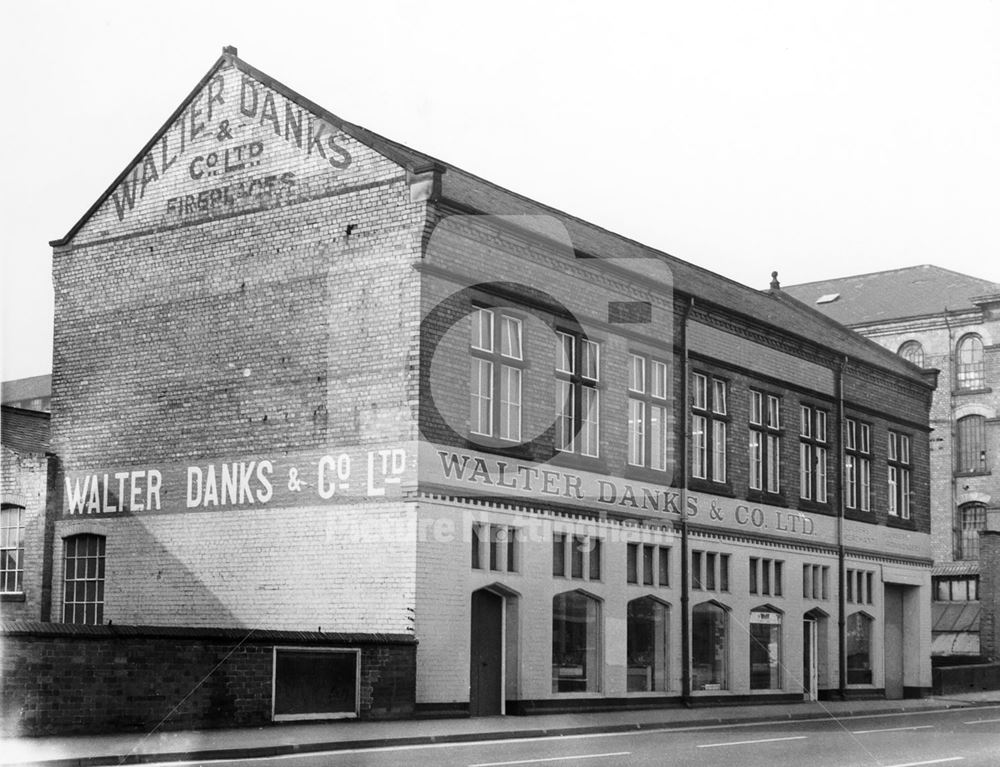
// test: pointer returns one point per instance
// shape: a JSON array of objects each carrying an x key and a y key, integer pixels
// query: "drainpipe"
[
  {"x": 685, "y": 570},
  {"x": 841, "y": 506}
]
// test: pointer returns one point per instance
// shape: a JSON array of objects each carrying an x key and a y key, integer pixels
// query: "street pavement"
[{"x": 958, "y": 729}]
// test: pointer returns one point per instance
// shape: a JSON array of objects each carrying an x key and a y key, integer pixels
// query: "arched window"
[
  {"x": 647, "y": 645},
  {"x": 709, "y": 647},
  {"x": 576, "y": 643},
  {"x": 971, "y": 519},
  {"x": 83, "y": 579},
  {"x": 11, "y": 549},
  {"x": 765, "y": 649},
  {"x": 970, "y": 372},
  {"x": 971, "y": 435},
  {"x": 913, "y": 352},
  {"x": 859, "y": 648}
]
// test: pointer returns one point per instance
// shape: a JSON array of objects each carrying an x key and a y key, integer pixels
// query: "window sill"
[
  {"x": 902, "y": 524},
  {"x": 771, "y": 499},
  {"x": 713, "y": 488},
  {"x": 961, "y": 392},
  {"x": 822, "y": 508},
  {"x": 12, "y": 597},
  {"x": 984, "y": 473}
]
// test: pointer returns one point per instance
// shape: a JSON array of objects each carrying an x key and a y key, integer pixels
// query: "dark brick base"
[{"x": 56, "y": 678}]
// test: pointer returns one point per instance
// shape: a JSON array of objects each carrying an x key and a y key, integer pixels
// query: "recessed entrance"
[
  {"x": 894, "y": 655},
  {"x": 486, "y": 656},
  {"x": 810, "y": 668}
]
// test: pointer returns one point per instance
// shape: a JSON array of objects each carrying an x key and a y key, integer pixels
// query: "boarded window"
[{"x": 315, "y": 683}]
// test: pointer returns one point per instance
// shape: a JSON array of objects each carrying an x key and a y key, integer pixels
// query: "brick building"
[
  {"x": 316, "y": 394},
  {"x": 34, "y": 393},
  {"x": 943, "y": 320}
]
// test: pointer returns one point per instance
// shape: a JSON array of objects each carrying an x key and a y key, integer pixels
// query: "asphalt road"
[{"x": 965, "y": 738}]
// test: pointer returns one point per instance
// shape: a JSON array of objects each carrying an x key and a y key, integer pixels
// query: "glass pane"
[
  {"x": 719, "y": 404},
  {"x": 709, "y": 648},
  {"x": 595, "y": 560},
  {"x": 510, "y": 403},
  {"x": 632, "y": 563},
  {"x": 590, "y": 429},
  {"x": 576, "y": 652},
  {"x": 636, "y": 432},
  {"x": 511, "y": 337},
  {"x": 637, "y": 373},
  {"x": 591, "y": 352},
  {"x": 773, "y": 413},
  {"x": 647, "y": 565},
  {"x": 700, "y": 391},
  {"x": 756, "y": 408},
  {"x": 658, "y": 438},
  {"x": 659, "y": 380},
  {"x": 565, "y": 357},
  {"x": 647, "y": 646},
  {"x": 482, "y": 330},
  {"x": 565, "y": 405},
  {"x": 765, "y": 651}
]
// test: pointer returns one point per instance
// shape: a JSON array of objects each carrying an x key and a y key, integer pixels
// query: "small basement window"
[{"x": 315, "y": 683}]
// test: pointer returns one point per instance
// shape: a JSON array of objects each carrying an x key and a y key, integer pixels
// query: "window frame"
[
  {"x": 970, "y": 448},
  {"x": 705, "y": 409},
  {"x": 765, "y": 425},
  {"x": 641, "y": 423},
  {"x": 857, "y": 465},
  {"x": 577, "y": 383},
  {"x": 970, "y": 363},
  {"x": 899, "y": 448},
  {"x": 814, "y": 454},
  {"x": 71, "y": 543},
  {"x": 500, "y": 365},
  {"x": 15, "y": 573}
]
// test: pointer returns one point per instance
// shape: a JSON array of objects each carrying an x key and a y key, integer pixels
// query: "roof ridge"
[{"x": 891, "y": 271}]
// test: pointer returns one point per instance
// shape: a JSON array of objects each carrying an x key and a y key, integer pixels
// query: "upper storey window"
[
  {"x": 495, "y": 391},
  {"x": 913, "y": 352},
  {"x": 708, "y": 427},
  {"x": 578, "y": 404},
  {"x": 970, "y": 367}
]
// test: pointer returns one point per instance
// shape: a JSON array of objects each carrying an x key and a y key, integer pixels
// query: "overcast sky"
[{"x": 818, "y": 139}]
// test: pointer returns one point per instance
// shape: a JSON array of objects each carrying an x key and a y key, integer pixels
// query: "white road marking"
[
  {"x": 550, "y": 759},
  {"x": 748, "y": 742},
  {"x": 893, "y": 729},
  {"x": 982, "y": 721},
  {"x": 932, "y": 761}
]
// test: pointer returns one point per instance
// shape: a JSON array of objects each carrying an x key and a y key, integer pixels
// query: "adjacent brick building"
[
  {"x": 316, "y": 391},
  {"x": 943, "y": 320}
]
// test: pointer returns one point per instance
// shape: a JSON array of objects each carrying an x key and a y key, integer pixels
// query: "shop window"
[
  {"x": 584, "y": 556},
  {"x": 11, "y": 549},
  {"x": 912, "y": 351},
  {"x": 970, "y": 368},
  {"x": 647, "y": 412},
  {"x": 971, "y": 453},
  {"x": 765, "y": 442},
  {"x": 709, "y": 424},
  {"x": 766, "y": 576},
  {"x": 497, "y": 362},
  {"x": 972, "y": 519},
  {"x": 315, "y": 683},
  {"x": 647, "y": 645},
  {"x": 765, "y": 649},
  {"x": 578, "y": 406},
  {"x": 815, "y": 581},
  {"x": 709, "y": 647},
  {"x": 812, "y": 454},
  {"x": 899, "y": 475},
  {"x": 859, "y": 648},
  {"x": 576, "y": 643},
  {"x": 857, "y": 465},
  {"x": 83, "y": 579}
]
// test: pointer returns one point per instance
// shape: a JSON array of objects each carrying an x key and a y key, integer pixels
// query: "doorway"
[
  {"x": 893, "y": 596},
  {"x": 810, "y": 667},
  {"x": 486, "y": 686}
]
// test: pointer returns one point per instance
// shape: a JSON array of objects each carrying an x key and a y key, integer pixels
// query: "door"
[
  {"x": 893, "y": 641},
  {"x": 486, "y": 656},
  {"x": 809, "y": 667}
]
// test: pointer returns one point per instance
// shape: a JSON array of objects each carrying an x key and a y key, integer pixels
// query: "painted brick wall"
[
  {"x": 105, "y": 680},
  {"x": 24, "y": 477},
  {"x": 266, "y": 310}
]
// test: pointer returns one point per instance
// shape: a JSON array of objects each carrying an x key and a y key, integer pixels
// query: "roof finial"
[
  {"x": 229, "y": 50},
  {"x": 775, "y": 285}
]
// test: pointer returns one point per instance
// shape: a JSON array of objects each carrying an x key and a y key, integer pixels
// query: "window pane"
[
  {"x": 756, "y": 461},
  {"x": 659, "y": 380},
  {"x": 765, "y": 651},
  {"x": 482, "y": 330},
  {"x": 636, "y": 432},
  {"x": 595, "y": 559},
  {"x": 576, "y": 562},
  {"x": 719, "y": 451},
  {"x": 637, "y": 373},
  {"x": 709, "y": 648},
  {"x": 565, "y": 405},
  {"x": 700, "y": 391},
  {"x": 476, "y": 531},
  {"x": 510, "y": 403},
  {"x": 559, "y": 554},
  {"x": 576, "y": 651},
  {"x": 773, "y": 463},
  {"x": 647, "y": 565},
  {"x": 756, "y": 408},
  {"x": 859, "y": 667},
  {"x": 658, "y": 437},
  {"x": 719, "y": 397},
  {"x": 512, "y": 564},
  {"x": 632, "y": 563},
  {"x": 481, "y": 399},
  {"x": 664, "y": 574},
  {"x": 590, "y": 429},
  {"x": 591, "y": 367},
  {"x": 510, "y": 341},
  {"x": 699, "y": 447},
  {"x": 647, "y": 646},
  {"x": 565, "y": 356},
  {"x": 773, "y": 413}
]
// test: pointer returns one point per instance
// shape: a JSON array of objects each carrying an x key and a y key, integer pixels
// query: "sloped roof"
[
  {"x": 915, "y": 291},
  {"x": 471, "y": 192},
  {"x": 24, "y": 430},
  {"x": 26, "y": 388},
  {"x": 955, "y": 616}
]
